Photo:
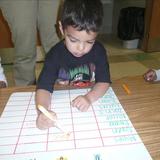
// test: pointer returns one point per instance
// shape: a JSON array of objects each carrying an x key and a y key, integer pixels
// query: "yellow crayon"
[
  {"x": 125, "y": 87},
  {"x": 50, "y": 116}
]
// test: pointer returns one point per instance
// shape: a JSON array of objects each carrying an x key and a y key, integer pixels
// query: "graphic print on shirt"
[{"x": 80, "y": 76}]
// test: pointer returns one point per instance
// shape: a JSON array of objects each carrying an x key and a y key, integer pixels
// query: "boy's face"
[{"x": 77, "y": 42}]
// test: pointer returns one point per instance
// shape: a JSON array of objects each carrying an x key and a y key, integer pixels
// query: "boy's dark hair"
[{"x": 82, "y": 14}]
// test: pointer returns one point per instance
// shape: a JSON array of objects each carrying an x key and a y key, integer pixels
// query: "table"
[{"x": 142, "y": 107}]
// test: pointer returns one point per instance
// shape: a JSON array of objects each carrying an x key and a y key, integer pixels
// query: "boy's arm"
[
  {"x": 43, "y": 98},
  {"x": 83, "y": 102},
  {"x": 97, "y": 91}
]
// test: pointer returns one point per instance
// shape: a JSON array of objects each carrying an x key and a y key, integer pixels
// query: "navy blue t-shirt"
[{"x": 61, "y": 65}]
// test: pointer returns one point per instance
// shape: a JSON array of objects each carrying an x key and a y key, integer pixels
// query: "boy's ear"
[{"x": 61, "y": 28}]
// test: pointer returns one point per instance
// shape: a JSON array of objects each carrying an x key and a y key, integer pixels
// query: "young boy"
[
  {"x": 3, "y": 81},
  {"x": 77, "y": 60}
]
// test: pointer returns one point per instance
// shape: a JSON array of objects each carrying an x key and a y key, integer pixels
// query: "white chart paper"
[{"x": 104, "y": 132}]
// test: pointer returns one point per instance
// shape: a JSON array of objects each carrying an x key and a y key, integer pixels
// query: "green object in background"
[{"x": 141, "y": 56}]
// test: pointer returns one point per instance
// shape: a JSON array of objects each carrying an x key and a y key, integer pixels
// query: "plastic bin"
[
  {"x": 131, "y": 44},
  {"x": 131, "y": 26}
]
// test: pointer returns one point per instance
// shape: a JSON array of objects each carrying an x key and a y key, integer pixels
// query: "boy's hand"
[
  {"x": 44, "y": 122},
  {"x": 82, "y": 103},
  {"x": 150, "y": 75},
  {"x": 3, "y": 84}
]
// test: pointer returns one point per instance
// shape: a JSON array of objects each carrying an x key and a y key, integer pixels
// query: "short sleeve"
[
  {"x": 158, "y": 74},
  {"x": 102, "y": 73},
  {"x": 48, "y": 74}
]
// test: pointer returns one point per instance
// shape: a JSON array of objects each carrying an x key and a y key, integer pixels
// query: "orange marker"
[{"x": 125, "y": 87}]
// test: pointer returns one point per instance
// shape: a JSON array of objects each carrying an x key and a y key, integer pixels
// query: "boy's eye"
[
  {"x": 73, "y": 40},
  {"x": 91, "y": 42}
]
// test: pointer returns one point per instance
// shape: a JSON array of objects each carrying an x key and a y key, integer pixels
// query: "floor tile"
[{"x": 123, "y": 69}]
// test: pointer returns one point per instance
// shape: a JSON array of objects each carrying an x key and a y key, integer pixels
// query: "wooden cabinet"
[
  {"x": 5, "y": 34},
  {"x": 151, "y": 41}
]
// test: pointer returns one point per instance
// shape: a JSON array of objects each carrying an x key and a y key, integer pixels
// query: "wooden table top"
[{"x": 142, "y": 107}]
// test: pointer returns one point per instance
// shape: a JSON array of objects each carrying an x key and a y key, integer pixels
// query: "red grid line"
[
  {"x": 97, "y": 125},
  {"x": 72, "y": 119},
  {"x": 80, "y": 148},
  {"x": 22, "y": 125}
]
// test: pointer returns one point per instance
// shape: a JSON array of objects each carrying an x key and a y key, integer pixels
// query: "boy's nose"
[{"x": 81, "y": 46}]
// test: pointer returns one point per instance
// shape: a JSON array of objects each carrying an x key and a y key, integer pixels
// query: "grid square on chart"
[{"x": 104, "y": 125}]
